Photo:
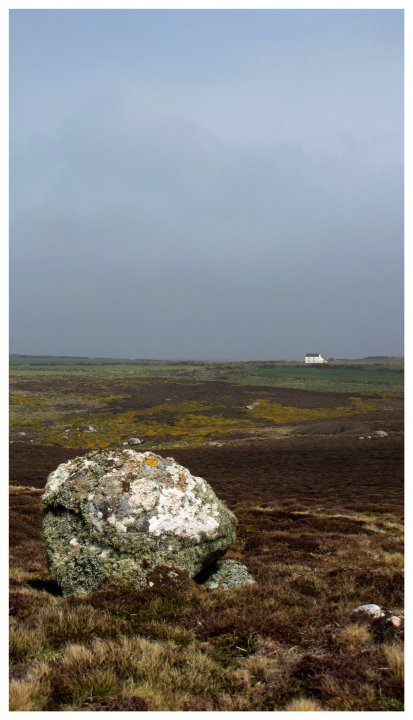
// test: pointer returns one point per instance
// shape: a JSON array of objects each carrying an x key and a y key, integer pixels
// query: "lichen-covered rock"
[
  {"x": 228, "y": 575},
  {"x": 118, "y": 515}
]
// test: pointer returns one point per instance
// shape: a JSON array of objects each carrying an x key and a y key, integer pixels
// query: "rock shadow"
[{"x": 49, "y": 586}]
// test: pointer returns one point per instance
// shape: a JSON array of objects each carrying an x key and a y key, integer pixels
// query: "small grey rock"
[
  {"x": 229, "y": 574},
  {"x": 380, "y": 434},
  {"x": 371, "y": 609},
  {"x": 134, "y": 441}
]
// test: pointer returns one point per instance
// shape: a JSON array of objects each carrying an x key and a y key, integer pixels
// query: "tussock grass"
[
  {"x": 394, "y": 654},
  {"x": 33, "y": 692},
  {"x": 354, "y": 635},
  {"x": 303, "y": 705},
  {"x": 26, "y": 643}
]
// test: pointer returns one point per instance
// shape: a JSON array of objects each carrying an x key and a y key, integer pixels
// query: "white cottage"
[{"x": 314, "y": 358}]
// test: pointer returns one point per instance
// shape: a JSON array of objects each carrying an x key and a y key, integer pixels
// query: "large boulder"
[{"x": 116, "y": 516}]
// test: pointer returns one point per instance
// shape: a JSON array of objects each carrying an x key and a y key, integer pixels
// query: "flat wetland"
[{"x": 320, "y": 526}]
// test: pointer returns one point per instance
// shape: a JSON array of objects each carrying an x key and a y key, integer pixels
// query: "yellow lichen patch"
[
  {"x": 178, "y": 408},
  {"x": 112, "y": 429},
  {"x": 55, "y": 419},
  {"x": 27, "y": 399},
  {"x": 384, "y": 393},
  {"x": 283, "y": 414},
  {"x": 151, "y": 461}
]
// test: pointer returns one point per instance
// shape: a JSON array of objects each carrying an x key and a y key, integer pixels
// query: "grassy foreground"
[{"x": 320, "y": 527}]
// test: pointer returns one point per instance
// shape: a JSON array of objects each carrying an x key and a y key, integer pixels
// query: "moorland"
[{"x": 319, "y": 501}]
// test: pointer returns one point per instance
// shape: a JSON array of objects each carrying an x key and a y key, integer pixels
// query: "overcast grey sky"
[{"x": 206, "y": 184}]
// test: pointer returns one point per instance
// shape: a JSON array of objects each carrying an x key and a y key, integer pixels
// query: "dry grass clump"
[
  {"x": 77, "y": 623},
  {"x": 33, "y": 692},
  {"x": 26, "y": 643},
  {"x": 160, "y": 673},
  {"x": 354, "y": 635},
  {"x": 394, "y": 654},
  {"x": 303, "y": 705}
]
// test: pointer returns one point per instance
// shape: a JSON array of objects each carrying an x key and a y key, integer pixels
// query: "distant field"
[
  {"x": 332, "y": 377},
  {"x": 344, "y": 376},
  {"x": 192, "y": 403}
]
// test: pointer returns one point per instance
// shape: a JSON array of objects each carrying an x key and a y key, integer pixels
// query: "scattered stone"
[
  {"x": 134, "y": 441},
  {"x": 252, "y": 406},
  {"x": 385, "y": 629},
  {"x": 90, "y": 428},
  {"x": 228, "y": 575},
  {"x": 374, "y": 611},
  {"x": 380, "y": 434},
  {"x": 215, "y": 443},
  {"x": 116, "y": 516},
  {"x": 361, "y": 438},
  {"x": 385, "y": 626},
  {"x": 21, "y": 434}
]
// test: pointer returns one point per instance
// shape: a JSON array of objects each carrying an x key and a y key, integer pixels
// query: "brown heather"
[{"x": 320, "y": 528}]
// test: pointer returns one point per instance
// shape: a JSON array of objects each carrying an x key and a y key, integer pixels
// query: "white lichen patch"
[
  {"x": 56, "y": 479},
  {"x": 144, "y": 493},
  {"x": 113, "y": 476},
  {"x": 183, "y": 514},
  {"x": 88, "y": 463},
  {"x": 76, "y": 546},
  {"x": 95, "y": 516},
  {"x": 121, "y": 524}
]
